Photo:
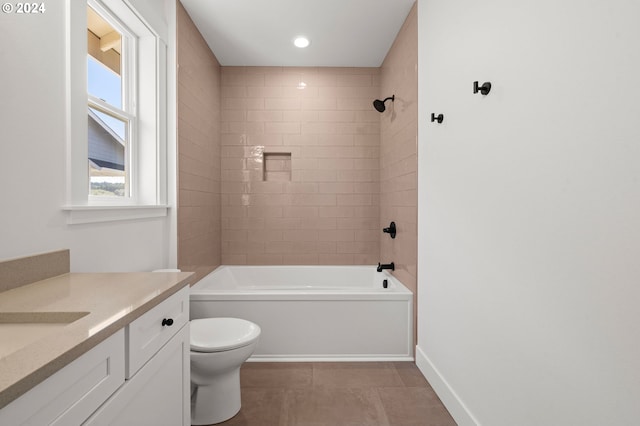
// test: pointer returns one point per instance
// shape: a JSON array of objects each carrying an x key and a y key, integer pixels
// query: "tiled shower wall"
[
  {"x": 336, "y": 171},
  {"x": 398, "y": 153},
  {"x": 198, "y": 150},
  {"x": 316, "y": 200}
]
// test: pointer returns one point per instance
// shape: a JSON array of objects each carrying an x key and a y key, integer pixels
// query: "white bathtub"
[{"x": 313, "y": 313}]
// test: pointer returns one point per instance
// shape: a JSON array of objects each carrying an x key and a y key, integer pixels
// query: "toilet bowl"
[{"x": 219, "y": 346}]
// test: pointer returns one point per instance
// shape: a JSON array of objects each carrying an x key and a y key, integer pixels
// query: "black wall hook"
[
  {"x": 439, "y": 118},
  {"x": 484, "y": 89}
]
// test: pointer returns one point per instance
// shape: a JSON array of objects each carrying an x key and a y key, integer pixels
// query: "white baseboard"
[
  {"x": 324, "y": 358},
  {"x": 447, "y": 395}
]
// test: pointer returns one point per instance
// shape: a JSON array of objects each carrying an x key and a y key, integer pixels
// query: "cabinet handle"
[{"x": 167, "y": 322}]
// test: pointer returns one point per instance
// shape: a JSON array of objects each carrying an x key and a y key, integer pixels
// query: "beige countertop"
[{"x": 103, "y": 303}]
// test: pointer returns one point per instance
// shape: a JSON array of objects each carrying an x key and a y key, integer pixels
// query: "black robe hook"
[{"x": 484, "y": 89}]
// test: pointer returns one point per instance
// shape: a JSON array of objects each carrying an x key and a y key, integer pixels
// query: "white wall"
[
  {"x": 33, "y": 154},
  {"x": 529, "y": 210}
]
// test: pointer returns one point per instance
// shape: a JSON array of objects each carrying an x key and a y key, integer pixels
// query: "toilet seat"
[{"x": 222, "y": 334}]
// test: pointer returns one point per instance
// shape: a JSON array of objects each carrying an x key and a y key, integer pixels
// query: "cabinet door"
[
  {"x": 70, "y": 395},
  {"x": 157, "y": 395},
  {"x": 148, "y": 333}
]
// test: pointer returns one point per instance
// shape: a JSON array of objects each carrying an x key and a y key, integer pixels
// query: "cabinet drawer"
[
  {"x": 147, "y": 334},
  {"x": 70, "y": 395}
]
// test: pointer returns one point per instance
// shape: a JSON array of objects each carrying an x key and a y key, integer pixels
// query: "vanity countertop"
[{"x": 101, "y": 303}]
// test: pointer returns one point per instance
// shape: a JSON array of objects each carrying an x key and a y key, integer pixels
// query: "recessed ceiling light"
[{"x": 301, "y": 42}]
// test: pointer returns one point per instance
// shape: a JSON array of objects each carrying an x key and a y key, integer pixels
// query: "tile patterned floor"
[{"x": 337, "y": 394}]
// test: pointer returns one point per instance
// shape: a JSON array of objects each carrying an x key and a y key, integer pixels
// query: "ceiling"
[
  {"x": 343, "y": 33},
  {"x": 109, "y": 36}
]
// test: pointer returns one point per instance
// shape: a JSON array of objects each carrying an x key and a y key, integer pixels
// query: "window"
[
  {"x": 116, "y": 113},
  {"x": 111, "y": 112}
]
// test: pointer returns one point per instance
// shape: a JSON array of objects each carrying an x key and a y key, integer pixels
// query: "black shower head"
[{"x": 379, "y": 105}]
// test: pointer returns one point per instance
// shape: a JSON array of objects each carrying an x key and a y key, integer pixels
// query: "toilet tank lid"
[{"x": 222, "y": 334}]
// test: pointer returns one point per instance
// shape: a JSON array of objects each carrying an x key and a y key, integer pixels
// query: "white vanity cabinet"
[
  {"x": 156, "y": 391},
  {"x": 157, "y": 395},
  {"x": 137, "y": 376}
]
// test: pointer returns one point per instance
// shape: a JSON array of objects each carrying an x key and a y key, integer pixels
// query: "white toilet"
[{"x": 219, "y": 346}]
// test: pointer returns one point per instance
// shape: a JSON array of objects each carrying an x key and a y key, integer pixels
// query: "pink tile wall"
[
  {"x": 198, "y": 150},
  {"x": 398, "y": 152},
  {"x": 328, "y": 212}
]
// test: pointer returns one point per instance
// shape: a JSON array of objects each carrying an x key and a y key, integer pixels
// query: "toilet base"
[{"x": 216, "y": 402}]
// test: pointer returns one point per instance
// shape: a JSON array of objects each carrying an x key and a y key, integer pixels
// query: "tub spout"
[{"x": 386, "y": 266}]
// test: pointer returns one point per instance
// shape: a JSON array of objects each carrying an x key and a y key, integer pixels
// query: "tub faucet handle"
[{"x": 391, "y": 230}]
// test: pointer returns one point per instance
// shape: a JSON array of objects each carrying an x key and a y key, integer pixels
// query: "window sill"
[{"x": 96, "y": 214}]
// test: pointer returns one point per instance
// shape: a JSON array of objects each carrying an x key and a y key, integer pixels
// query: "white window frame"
[
  {"x": 128, "y": 111},
  {"x": 130, "y": 141},
  {"x": 147, "y": 156}
]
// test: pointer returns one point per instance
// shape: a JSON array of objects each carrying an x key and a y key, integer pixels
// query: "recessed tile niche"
[{"x": 277, "y": 166}]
